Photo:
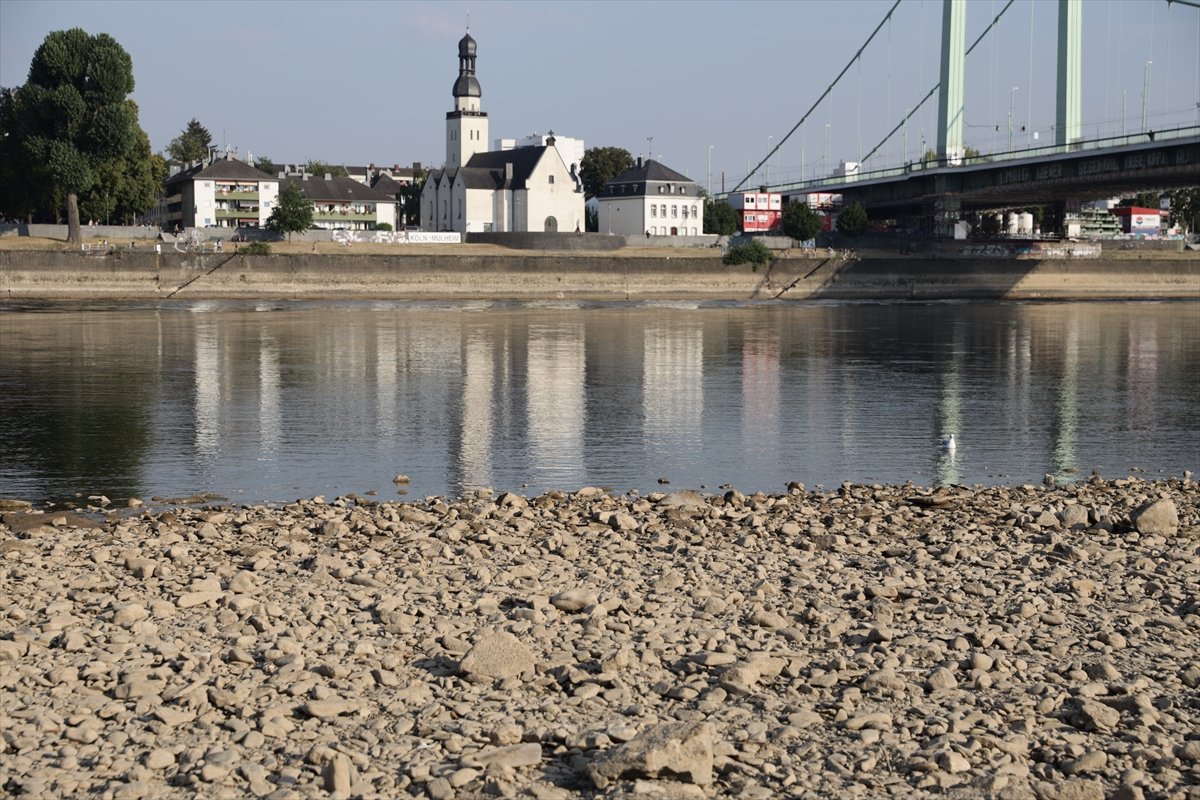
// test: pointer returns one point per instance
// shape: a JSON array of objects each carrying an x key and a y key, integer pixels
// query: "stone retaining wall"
[{"x": 38, "y": 275}]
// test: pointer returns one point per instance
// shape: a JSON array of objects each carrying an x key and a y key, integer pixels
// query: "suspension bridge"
[{"x": 931, "y": 191}]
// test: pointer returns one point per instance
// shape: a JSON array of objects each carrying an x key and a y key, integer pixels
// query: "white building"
[
  {"x": 526, "y": 188},
  {"x": 344, "y": 203},
  {"x": 651, "y": 198},
  {"x": 225, "y": 193},
  {"x": 570, "y": 149}
]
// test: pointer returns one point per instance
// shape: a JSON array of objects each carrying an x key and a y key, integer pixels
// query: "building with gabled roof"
[
  {"x": 519, "y": 189},
  {"x": 653, "y": 199},
  {"x": 224, "y": 193},
  {"x": 344, "y": 203}
]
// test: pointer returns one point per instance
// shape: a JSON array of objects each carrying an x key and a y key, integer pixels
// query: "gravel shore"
[{"x": 875, "y": 641}]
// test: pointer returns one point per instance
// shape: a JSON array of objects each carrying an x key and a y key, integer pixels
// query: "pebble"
[{"x": 862, "y": 642}]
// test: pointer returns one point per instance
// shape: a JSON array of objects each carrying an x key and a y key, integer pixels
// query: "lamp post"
[
  {"x": 710, "y": 147},
  {"x": 1011, "y": 96},
  {"x": 1145, "y": 92},
  {"x": 768, "y": 178},
  {"x": 825, "y": 154}
]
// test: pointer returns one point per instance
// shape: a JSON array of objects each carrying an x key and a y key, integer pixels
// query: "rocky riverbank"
[{"x": 868, "y": 642}]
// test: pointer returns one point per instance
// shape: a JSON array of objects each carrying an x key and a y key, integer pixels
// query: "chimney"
[
  {"x": 639, "y": 162},
  {"x": 328, "y": 177}
]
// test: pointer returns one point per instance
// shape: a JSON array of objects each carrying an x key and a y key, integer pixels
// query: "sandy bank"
[{"x": 874, "y": 641}]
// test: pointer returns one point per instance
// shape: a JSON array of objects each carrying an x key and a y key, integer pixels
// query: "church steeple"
[
  {"x": 466, "y": 125},
  {"x": 467, "y": 85}
]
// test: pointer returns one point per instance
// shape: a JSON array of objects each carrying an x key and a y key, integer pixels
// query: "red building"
[
  {"x": 760, "y": 212},
  {"x": 1138, "y": 220}
]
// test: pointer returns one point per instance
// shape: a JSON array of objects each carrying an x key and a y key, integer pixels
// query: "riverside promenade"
[{"x": 490, "y": 272}]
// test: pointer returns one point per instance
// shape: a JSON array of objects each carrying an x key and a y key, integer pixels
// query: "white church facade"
[{"x": 522, "y": 188}]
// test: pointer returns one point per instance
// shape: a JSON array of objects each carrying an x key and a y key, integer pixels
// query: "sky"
[{"x": 706, "y": 87}]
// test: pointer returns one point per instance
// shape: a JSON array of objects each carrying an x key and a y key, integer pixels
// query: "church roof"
[
  {"x": 492, "y": 165},
  {"x": 225, "y": 169},
  {"x": 650, "y": 170}
]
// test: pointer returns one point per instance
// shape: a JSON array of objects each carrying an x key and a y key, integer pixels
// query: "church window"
[{"x": 552, "y": 179}]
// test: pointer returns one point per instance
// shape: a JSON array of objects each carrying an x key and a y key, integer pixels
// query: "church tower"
[{"x": 466, "y": 125}]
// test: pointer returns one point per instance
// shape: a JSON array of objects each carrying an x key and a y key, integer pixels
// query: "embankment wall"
[{"x": 144, "y": 275}]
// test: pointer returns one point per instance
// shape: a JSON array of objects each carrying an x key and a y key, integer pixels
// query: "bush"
[
  {"x": 255, "y": 249},
  {"x": 383, "y": 226},
  {"x": 753, "y": 252}
]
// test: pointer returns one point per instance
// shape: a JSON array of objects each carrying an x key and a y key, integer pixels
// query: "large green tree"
[
  {"x": 293, "y": 211},
  {"x": 192, "y": 144},
  {"x": 1185, "y": 208},
  {"x": 600, "y": 165},
  {"x": 853, "y": 220},
  {"x": 72, "y": 116},
  {"x": 800, "y": 222},
  {"x": 719, "y": 218},
  {"x": 125, "y": 188}
]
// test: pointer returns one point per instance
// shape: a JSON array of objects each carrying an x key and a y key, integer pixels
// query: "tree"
[
  {"x": 267, "y": 165},
  {"x": 321, "y": 169},
  {"x": 719, "y": 218},
  {"x": 125, "y": 188},
  {"x": 600, "y": 165},
  {"x": 852, "y": 221},
  {"x": 410, "y": 198},
  {"x": 753, "y": 252},
  {"x": 1185, "y": 208},
  {"x": 293, "y": 211},
  {"x": 72, "y": 114},
  {"x": 800, "y": 222},
  {"x": 192, "y": 144}
]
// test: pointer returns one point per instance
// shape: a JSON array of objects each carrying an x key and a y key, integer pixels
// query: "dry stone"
[
  {"x": 497, "y": 656},
  {"x": 680, "y": 751}
]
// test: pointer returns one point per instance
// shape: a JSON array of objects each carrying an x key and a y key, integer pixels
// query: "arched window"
[{"x": 551, "y": 225}]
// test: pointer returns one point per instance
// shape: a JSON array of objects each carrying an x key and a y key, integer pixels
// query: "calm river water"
[{"x": 272, "y": 402}]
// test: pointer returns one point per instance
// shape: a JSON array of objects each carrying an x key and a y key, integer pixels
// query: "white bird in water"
[{"x": 948, "y": 444}]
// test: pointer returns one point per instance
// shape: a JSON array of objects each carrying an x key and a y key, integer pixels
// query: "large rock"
[
  {"x": 682, "y": 751},
  {"x": 496, "y": 656},
  {"x": 1156, "y": 517}
]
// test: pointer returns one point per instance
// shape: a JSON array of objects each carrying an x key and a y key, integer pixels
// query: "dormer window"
[{"x": 662, "y": 189}]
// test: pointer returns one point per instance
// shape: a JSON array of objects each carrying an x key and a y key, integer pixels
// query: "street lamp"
[
  {"x": 825, "y": 154},
  {"x": 1145, "y": 92},
  {"x": 710, "y": 147},
  {"x": 1011, "y": 96},
  {"x": 768, "y": 179}
]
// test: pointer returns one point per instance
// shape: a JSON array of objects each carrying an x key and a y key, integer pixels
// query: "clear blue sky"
[{"x": 359, "y": 82}]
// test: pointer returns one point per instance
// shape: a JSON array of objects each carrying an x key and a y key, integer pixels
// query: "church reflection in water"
[{"x": 283, "y": 402}]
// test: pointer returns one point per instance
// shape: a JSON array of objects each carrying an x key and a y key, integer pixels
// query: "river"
[{"x": 270, "y": 402}]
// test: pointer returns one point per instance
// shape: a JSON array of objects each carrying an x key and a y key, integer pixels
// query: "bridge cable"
[
  {"x": 932, "y": 91},
  {"x": 824, "y": 94}
]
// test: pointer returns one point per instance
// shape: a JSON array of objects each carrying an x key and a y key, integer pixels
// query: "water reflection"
[{"x": 287, "y": 401}]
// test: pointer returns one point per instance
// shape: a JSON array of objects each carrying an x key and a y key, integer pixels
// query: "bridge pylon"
[
  {"x": 1068, "y": 112},
  {"x": 950, "y": 92}
]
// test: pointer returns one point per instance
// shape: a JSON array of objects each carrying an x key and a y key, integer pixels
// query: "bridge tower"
[
  {"x": 1070, "y": 72},
  {"x": 950, "y": 95}
]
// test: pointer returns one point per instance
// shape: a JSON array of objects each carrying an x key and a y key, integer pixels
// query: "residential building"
[
  {"x": 651, "y": 198},
  {"x": 344, "y": 203},
  {"x": 758, "y": 212},
  {"x": 527, "y": 188},
  {"x": 224, "y": 193}
]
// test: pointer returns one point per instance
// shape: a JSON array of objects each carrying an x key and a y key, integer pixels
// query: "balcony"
[
  {"x": 237, "y": 195},
  {"x": 237, "y": 213},
  {"x": 338, "y": 216}
]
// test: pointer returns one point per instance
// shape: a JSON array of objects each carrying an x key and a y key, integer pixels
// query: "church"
[{"x": 529, "y": 188}]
